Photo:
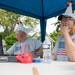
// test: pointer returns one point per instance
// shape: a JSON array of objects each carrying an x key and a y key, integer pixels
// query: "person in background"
[
  {"x": 64, "y": 49},
  {"x": 25, "y": 44}
]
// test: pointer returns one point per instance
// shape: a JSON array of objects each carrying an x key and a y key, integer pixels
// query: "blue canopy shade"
[{"x": 40, "y": 9}]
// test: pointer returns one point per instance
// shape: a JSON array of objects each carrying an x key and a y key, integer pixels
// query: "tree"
[
  {"x": 7, "y": 18},
  {"x": 57, "y": 32},
  {"x": 10, "y": 40},
  {"x": 55, "y": 35},
  {"x": 8, "y": 21},
  {"x": 30, "y": 22}
]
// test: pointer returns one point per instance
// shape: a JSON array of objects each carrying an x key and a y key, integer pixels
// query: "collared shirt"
[{"x": 28, "y": 45}]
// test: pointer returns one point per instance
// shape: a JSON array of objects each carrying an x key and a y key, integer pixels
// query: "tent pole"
[{"x": 43, "y": 29}]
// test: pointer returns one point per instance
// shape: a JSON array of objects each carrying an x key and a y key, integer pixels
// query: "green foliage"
[
  {"x": 2, "y": 34},
  {"x": 55, "y": 35},
  {"x": 32, "y": 22},
  {"x": 7, "y": 18},
  {"x": 57, "y": 32},
  {"x": 10, "y": 40}
]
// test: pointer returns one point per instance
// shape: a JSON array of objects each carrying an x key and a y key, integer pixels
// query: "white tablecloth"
[{"x": 55, "y": 68}]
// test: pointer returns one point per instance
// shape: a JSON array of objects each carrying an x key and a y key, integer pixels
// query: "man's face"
[
  {"x": 20, "y": 35},
  {"x": 67, "y": 21}
]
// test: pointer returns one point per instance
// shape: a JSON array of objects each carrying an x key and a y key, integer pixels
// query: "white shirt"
[{"x": 29, "y": 44}]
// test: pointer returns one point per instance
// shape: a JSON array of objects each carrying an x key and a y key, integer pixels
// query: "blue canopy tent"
[{"x": 40, "y": 9}]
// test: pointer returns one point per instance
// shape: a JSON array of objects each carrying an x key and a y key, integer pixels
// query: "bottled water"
[
  {"x": 47, "y": 47},
  {"x": 46, "y": 55}
]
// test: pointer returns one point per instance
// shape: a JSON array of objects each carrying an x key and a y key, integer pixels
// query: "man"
[
  {"x": 64, "y": 50},
  {"x": 24, "y": 44}
]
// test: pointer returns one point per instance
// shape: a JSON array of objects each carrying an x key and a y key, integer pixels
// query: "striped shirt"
[{"x": 59, "y": 49}]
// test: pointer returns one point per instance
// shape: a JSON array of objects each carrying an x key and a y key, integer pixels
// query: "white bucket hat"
[
  {"x": 68, "y": 13},
  {"x": 23, "y": 29}
]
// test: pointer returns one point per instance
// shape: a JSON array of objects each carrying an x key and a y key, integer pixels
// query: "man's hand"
[{"x": 38, "y": 52}]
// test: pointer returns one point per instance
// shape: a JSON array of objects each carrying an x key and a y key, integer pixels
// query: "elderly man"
[{"x": 24, "y": 44}]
